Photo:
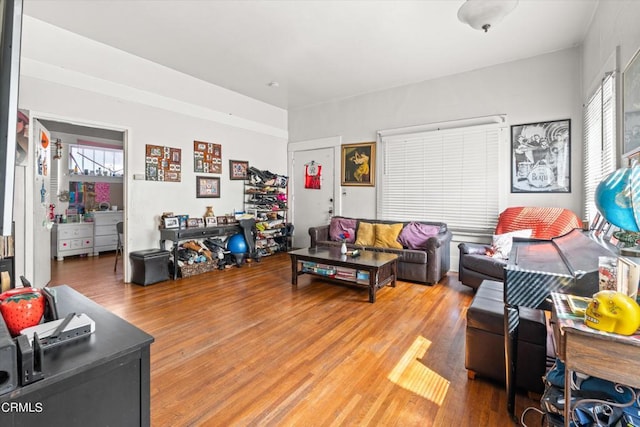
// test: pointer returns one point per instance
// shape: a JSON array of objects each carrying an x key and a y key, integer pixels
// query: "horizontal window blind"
[
  {"x": 599, "y": 157},
  {"x": 450, "y": 176},
  {"x": 609, "y": 153}
]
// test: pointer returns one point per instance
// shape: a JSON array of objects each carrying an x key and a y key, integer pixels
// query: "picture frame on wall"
[
  {"x": 207, "y": 187},
  {"x": 631, "y": 106},
  {"x": 541, "y": 157},
  {"x": 359, "y": 164},
  {"x": 238, "y": 169},
  {"x": 207, "y": 157}
]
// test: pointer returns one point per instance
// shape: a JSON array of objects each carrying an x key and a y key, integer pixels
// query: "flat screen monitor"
[{"x": 10, "y": 40}]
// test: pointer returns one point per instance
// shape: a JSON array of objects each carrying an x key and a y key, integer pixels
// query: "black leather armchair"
[{"x": 474, "y": 265}]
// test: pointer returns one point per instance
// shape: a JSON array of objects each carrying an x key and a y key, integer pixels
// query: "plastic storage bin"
[{"x": 149, "y": 266}]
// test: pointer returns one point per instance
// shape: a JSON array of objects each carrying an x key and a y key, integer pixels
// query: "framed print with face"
[
  {"x": 358, "y": 164},
  {"x": 207, "y": 187},
  {"x": 541, "y": 157}
]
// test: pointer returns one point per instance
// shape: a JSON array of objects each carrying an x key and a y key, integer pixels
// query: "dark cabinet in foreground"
[{"x": 99, "y": 380}]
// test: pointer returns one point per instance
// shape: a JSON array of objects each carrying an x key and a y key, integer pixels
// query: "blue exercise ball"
[{"x": 236, "y": 244}]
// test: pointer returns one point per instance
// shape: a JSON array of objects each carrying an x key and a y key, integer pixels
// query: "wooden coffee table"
[{"x": 328, "y": 263}]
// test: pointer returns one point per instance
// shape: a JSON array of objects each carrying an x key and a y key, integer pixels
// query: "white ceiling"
[{"x": 317, "y": 50}]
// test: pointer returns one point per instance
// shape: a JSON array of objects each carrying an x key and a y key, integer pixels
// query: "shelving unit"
[
  {"x": 351, "y": 275},
  {"x": 268, "y": 204},
  {"x": 177, "y": 235}
]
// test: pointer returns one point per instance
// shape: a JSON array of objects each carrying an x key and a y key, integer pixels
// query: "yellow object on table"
[{"x": 612, "y": 311}]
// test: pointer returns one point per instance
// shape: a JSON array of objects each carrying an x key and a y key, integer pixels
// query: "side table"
[{"x": 599, "y": 354}]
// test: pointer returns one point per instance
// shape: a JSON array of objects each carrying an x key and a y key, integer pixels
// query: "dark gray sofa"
[{"x": 426, "y": 266}]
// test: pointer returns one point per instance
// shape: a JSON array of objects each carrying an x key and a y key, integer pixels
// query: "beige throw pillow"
[
  {"x": 366, "y": 234},
  {"x": 387, "y": 235}
]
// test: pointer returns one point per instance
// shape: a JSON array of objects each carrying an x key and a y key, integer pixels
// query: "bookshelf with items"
[
  {"x": 345, "y": 274},
  {"x": 266, "y": 200}
]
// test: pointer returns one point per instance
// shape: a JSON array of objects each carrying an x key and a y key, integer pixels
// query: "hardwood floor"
[{"x": 241, "y": 347}]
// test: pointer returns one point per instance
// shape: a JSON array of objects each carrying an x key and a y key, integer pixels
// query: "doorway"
[
  {"x": 86, "y": 174},
  {"x": 313, "y": 206}
]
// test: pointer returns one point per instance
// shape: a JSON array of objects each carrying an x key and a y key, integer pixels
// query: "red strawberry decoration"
[{"x": 21, "y": 308}]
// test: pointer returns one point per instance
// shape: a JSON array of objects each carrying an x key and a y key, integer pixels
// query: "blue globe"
[
  {"x": 618, "y": 198},
  {"x": 236, "y": 244}
]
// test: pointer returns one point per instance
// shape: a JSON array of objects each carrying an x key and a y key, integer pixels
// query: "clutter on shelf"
[
  {"x": 195, "y": 257},
  {"x": 265, "y": 177},
  {"x": 266, "y": 198}
]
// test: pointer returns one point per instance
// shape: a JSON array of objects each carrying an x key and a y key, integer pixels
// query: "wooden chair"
[{"x": 119, "y": 248}]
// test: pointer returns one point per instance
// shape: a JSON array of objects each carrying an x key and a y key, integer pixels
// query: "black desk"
[
  {"x": 177, "y": 235},
  {"x": 100, "y": 380}
]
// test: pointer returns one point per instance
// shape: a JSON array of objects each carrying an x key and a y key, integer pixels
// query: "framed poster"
[
  {"x": 358, "y": 164},
  {"x": 541, "y": 157},
  {"x": 238, "y": 169},
  {"x": 631, "y": 105},
  {"x": 162, "y": 163},
  {"x": 207, "y": 187},
  {"x": 207, "y": 157}
]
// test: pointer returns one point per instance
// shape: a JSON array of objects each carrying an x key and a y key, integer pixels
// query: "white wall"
[
  {"x": 70, "y": 78},
  {"x": 546, "y": 87},
  {"x": 612, "y": 40}
]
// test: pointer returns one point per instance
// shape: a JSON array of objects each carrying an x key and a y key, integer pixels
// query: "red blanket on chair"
[{"x": 545, "y": 222}]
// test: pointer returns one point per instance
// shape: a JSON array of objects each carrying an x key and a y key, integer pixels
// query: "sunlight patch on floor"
[{"x": 411, "y": 374}]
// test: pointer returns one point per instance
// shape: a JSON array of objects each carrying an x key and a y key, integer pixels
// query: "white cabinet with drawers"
[
  {"x": 71, "y": 239},
  {"x": 105, "y": 237}
]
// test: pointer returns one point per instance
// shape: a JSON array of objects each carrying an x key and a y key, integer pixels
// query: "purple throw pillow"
[
  {"x": 340, "y": 226},
  {"x": 415, "y": 235}
]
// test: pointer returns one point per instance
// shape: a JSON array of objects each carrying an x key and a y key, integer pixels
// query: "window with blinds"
[
  {"x": 599, "y": 140},
  {"x": 442, "y": 175}
]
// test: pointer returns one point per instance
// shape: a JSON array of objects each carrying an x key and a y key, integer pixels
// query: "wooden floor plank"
[{"x": 242, "y": 347}]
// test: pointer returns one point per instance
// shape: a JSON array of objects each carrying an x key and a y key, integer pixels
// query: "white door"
[
  {"x": 42, "y": 199},
  {"x": 312, "y": 206}
]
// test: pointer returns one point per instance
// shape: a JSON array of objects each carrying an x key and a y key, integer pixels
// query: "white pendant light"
[{"x": 484, "y": 14}]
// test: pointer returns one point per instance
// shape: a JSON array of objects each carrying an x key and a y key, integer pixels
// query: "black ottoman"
[
  {"x": 149, "y": 266},
  {"x": 484, "y": 349}
]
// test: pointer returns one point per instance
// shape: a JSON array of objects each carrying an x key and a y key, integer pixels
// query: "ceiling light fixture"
[{"x": 484, "y": 14}]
